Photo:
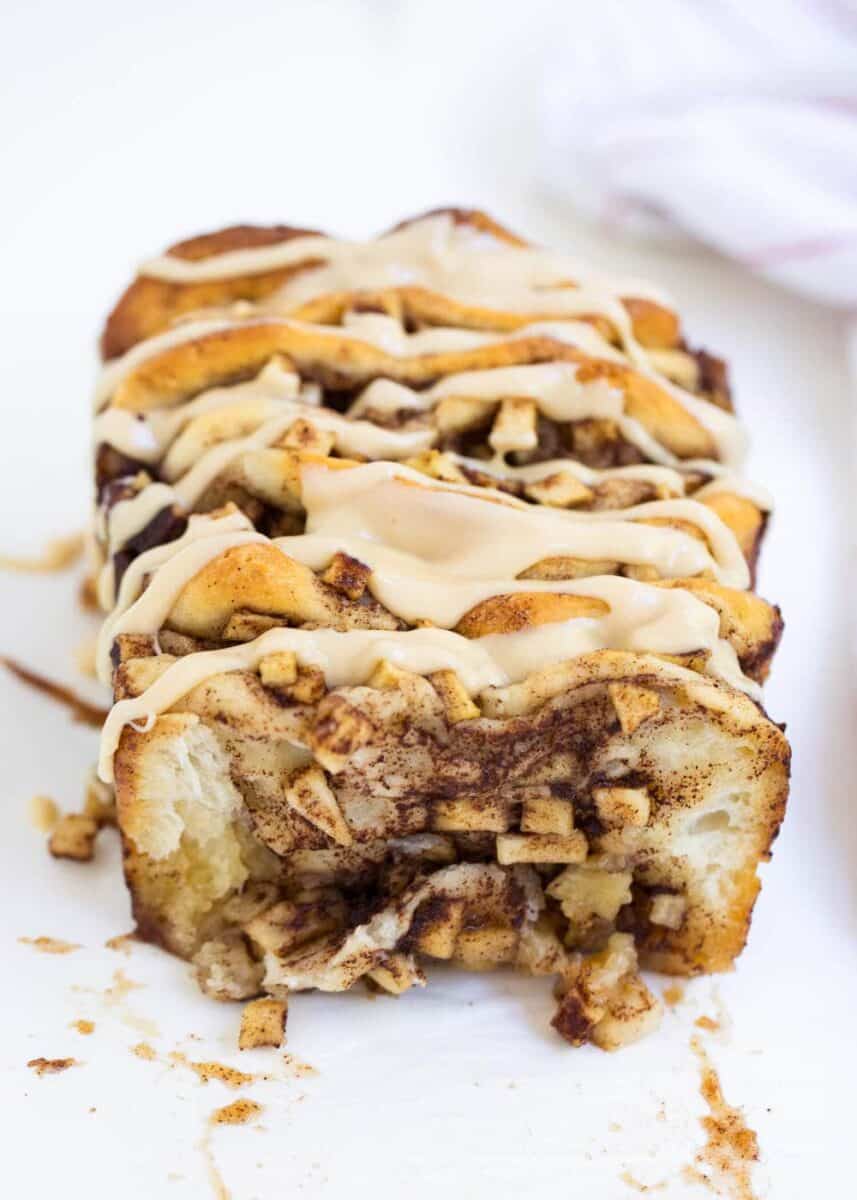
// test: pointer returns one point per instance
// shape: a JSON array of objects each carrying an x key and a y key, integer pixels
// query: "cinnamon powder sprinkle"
[
  {"x": 51, "y": 1066},
  {"x": 239, "y": 1112},
  {"x": 49, "y": 945},
  {"x": 724, "y": 1164},
  {"x": 80, "y": 709}
]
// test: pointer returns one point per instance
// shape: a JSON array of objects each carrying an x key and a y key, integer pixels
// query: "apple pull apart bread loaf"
[{"x": 428, "y": 566}]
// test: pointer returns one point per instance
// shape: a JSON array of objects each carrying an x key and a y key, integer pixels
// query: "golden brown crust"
[{"x": 148, "y": 306}]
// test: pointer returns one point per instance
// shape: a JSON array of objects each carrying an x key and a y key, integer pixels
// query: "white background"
[{"x": 125, "y": 127}]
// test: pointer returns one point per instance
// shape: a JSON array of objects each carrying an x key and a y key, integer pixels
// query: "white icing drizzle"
[
  {"x": 553, "y": 386},
  {"x": 435, "y": 549},
  {"x": 663, "y": 477},
  {"x": 171, "y": 566},
  {"x": 349, "y": 658},
  {"x": 121, "y": 522},
  {"x": 476, "y": 530},
  {"x": 673, "y": 480},
  {"x": 435, "y": 252},
  {"x": 152, "y": 437},
  {"x": 270, "y": 402}
]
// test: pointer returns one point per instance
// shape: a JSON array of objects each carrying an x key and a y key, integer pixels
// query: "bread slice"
[
  {"x": 429, "y": 571},
  {"x": 618, "y": 794}
]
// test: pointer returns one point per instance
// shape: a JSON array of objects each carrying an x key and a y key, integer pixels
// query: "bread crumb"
[
  {"x": 263, "y": 1023},
  {"x": 239, "y": 1112},
  {"x": 83, "y": 1026},
  {"x": 51, "y": 1066},
  {"x": 298, "y": 1067},
  {"x": 673, "y": 995},
  {"x": 44, "y": 813},
  {"x": 213, "y": 1070},
  {"x": 708, "y": 1024},
  {"x": 49, "y": 945},
  {"x": 84, "y": 656},
  {"x": 121, "y": 943},
  {"x": 74, "y": 837},
  {"x": 144, "y": 1050}
]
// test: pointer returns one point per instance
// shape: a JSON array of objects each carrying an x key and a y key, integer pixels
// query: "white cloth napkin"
[{"x": 733, "y": 122}]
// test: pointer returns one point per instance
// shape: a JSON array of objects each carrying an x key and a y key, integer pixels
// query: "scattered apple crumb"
[
  {"x": 239, "y": 1112},
  {"x": 144, "y": 1050},
  {"x": 708, "y": 1024},
  {"x": 673, "y": 995},
  {"x": 83, "y": 1026},
  {"x": 44, "y": 813},
  {"x": 49, "y": 945},
  {"x": 51, "y": 1066}
]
